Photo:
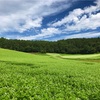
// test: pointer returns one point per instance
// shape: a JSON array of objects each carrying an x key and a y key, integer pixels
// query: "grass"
[
  {"x": 26, "y": 76},
  {"x": 76, "y": 56}
]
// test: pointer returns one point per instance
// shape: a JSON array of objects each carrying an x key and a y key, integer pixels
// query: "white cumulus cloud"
[
  {"x": 84, "y": 35},
  {"x": 21, "y": 15},
  {"x": 81, "y": 19},
  {"x": 44, "y": 34}
]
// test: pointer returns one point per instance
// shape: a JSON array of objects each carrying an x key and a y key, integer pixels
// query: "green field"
[{"x": 48, "y": 76}]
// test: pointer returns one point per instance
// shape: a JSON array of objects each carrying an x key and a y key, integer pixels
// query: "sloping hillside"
[{"x": 26, "y": 76}]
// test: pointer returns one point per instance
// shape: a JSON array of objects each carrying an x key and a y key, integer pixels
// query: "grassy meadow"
[{"x": 25, "y": 76}]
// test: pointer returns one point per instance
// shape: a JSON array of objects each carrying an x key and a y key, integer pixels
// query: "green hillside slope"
[{"x": 26, "y": 76}]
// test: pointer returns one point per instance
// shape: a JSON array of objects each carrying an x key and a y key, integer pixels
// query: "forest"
[{"x": 69, "y": 46}]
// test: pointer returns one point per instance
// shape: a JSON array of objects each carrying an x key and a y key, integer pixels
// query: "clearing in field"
[{"x": 48, "y": 76}]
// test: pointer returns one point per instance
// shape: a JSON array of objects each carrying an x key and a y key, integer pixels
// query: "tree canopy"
[{"x": 69, "y": 46}]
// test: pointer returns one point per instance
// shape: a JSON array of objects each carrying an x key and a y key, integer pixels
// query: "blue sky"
[{"x": 49, "y": 19}]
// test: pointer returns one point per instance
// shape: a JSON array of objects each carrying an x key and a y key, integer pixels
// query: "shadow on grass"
[{"x": 20, "y": 64}]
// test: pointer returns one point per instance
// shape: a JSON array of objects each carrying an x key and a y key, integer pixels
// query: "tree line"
[{"x": 69, "y": 46}]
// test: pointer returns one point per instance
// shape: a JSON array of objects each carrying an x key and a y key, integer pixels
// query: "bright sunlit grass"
[{"x": 26, "y": 76}]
